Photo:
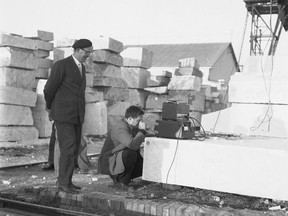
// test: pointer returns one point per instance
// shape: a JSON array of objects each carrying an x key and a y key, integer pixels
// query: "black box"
[
  {"x": 174, "y": 129},
  {"x": 172, "y": 110}
]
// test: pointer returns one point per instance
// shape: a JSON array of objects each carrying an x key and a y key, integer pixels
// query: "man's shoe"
[
  {"x": 67, "y": 189},
  {"x": 48, "y": 167},
  {"x": 75, "y": 187}
]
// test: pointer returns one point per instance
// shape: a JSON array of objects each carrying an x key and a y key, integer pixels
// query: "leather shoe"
[
  {"x": 75, "y": 187},
  {"x": 67, "y": 189},
  {"x": 48, "y": 167}
]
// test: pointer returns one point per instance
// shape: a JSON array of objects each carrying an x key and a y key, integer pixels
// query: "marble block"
[
  {"x": 107, "y": 43},
  {"x": 11, "y": 57},
  {"x": 155, "y": 101},
  {"x": 93, "y": 95},
  {"x": 15, "y": 115},
  {"x": 17, "y": 96},
  {"x": 95, "y": 121},
  {"x": 135, "y": 77},
  {"x": 105, "y": 56},
  {"x": 41, "y": 118},
  {"x": 185, "y": 83},
  {"x": 137, "y": 57},
  {"x": 251, "y": 166},
  {"x": 18, "y": 133},
  {"x": 188, "y": 62},
  {"x": 17, "y": 78},
  {"x": 195, "y": 99},
  {"x": 107, "y": 70},
  {"x": 109, "y": 81},
  {"x": 7, "y": 40},
  {"x": 114, "y": 94},
  {"x": 192, "y": 71}
]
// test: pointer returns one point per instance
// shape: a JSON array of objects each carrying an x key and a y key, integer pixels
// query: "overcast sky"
[{"x": 134, "y": 21}]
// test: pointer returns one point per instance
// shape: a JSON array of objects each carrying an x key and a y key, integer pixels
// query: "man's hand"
[{"x": 142, "y": 125}]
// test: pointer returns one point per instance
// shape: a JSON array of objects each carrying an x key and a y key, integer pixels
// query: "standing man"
[
  {"x": 65, "y": 101},
  {"x": 120, "y": 156}
]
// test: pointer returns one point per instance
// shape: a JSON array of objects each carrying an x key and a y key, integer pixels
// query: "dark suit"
[
  {"x": 123, "y": 138},
  {"x": 65, "y": 97}
]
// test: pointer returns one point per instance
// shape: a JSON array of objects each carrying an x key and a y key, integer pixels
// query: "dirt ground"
[{"x": 13, "y": 179}]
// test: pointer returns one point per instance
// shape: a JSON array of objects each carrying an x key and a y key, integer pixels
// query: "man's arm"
[{"x": 53, "y": 83}]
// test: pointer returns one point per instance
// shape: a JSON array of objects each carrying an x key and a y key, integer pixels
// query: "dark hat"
[{"x": 82, "y": 43}]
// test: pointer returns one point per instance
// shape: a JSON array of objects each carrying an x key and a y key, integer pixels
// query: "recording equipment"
[{"x": 175, "y": 121}]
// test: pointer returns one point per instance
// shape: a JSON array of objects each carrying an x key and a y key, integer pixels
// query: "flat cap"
[{"x": 82, "y": 43}]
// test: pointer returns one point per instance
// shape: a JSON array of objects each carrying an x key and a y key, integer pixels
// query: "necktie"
[{"x": 80, "y": 68}]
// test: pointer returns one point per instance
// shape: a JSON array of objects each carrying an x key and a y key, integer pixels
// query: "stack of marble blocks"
[{"x": 21, "y": 59}]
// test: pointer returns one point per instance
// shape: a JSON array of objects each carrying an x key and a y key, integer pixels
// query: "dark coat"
[
  {"x": 121, "y": 136},
  {"x": 65, "y": 92}
]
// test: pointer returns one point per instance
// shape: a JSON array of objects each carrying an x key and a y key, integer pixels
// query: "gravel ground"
[{"x": 17, "y": 178}]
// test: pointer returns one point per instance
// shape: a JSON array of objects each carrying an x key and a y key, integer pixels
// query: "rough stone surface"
[
  {"x": 107, "y": 43},
  {"x": 18, "y": 133},
  {"x": 17, "y": 96},
  {"x": 95, "y": 121},
  {"x": 107, "y": 70},
  {"x": 11, "y": 57},
  {"x": 109, "y": 81},
  {"x": 93, "y": 95},
  {"x": 137, "y": 57},
  {"x": 155, "y": 101},
  {"x": 106, "y": 56},
  {"x": 40, "y": 117},
  {"x": 18, "y": 42},
  {"x": 185, "y": 83},
  {"x": 17, "y": 78},
  {"x": 195, "y": 99},
  {"x": 135, "y": 77},
  {"x": 15, "y": 115}
]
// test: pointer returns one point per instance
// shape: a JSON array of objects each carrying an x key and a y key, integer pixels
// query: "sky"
[{"x": 135, "y": 21}]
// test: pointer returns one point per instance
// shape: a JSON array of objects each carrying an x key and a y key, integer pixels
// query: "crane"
[{"x": 263, "y": 30}]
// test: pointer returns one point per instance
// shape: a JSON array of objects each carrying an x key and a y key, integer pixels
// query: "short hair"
[{"x": 134, "y": 112}]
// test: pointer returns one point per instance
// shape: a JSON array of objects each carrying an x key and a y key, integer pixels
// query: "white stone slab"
[
  {"x": 45, "y": 35},
  {"x": 185, "y": 83},
  {"x": 249, "y": 119},
  {"x": 253, "y": 167},
  {"x": 107, "y": 43},
  {"x": 41, "y": 118},
  {"x": 17, "y": 133},
  {"x": 11, "y": 57},
  {"x": 17, "y": 96},
  {"x": 15, "y": 115},
  {"x": 137, "y": 57},
  {"x": 106, "y": 56},
  {"x": 95, "y": 121},
  {"x": 18, "y": 42},
  {"x": 17, "y": 78},
  {"x": 135, "y": 77}
]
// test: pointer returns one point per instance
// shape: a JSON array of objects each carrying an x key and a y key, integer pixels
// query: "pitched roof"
[{"x": 168, "y": 55}]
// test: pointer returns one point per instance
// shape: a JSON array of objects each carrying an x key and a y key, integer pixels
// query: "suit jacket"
[
  {"x": 64, "y": 92},
  {"x": 120, "y": 137}
]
